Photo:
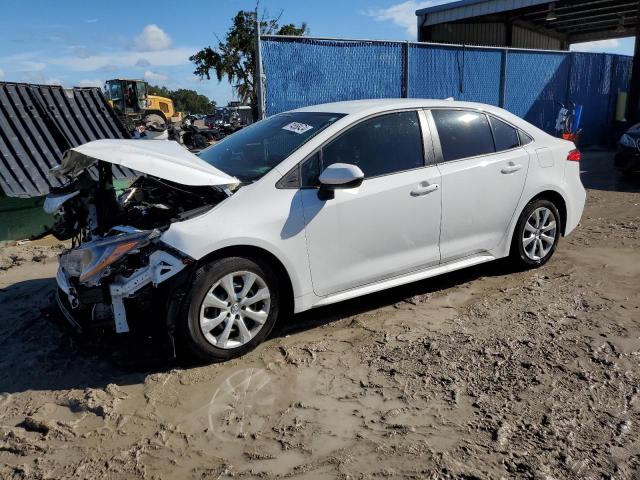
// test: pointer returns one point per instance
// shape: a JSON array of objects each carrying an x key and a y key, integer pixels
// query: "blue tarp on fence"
[{"x": 305, "y": 71}]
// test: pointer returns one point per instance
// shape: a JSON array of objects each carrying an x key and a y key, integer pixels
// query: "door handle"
[
  {"x": 423, "y": 191},
  {"x": 511, "y": 168}
]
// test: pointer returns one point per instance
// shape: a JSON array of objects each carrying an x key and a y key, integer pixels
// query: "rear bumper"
[{"x": 575, "y": 196}]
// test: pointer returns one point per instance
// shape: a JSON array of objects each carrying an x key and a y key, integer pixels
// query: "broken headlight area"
[
  {"x": 97, "y": 278},
  {"x": 94, "y": 260}
]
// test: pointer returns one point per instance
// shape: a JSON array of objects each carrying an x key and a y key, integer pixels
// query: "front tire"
[
  {"x": 536, "y": 234},
  {"x": 232, "y": 306}
]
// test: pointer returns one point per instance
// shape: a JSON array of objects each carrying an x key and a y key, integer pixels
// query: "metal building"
[
  {"x": 535, "y": 24},
  {"x": 539, "y": 24}
]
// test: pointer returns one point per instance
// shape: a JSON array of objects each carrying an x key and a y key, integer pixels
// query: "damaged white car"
[{"x": 303, "y": 209}]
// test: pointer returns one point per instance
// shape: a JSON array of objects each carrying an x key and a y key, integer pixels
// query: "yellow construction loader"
[{"x": 133, "y": 104}]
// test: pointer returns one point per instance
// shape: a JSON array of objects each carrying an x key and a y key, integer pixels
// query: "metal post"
[
  {"x": 567, "y": 91},
  {"x": 259, "y": 75},
  {"x": 503, "y": 78},
  {"x": 633, "y": 103},
  {"x": 405, "y": 71}
]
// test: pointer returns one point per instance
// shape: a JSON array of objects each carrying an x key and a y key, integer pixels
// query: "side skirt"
[{"x": 409, "y": 278}]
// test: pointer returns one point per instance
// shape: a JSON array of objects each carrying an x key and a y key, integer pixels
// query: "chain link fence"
[{"x": 302, "y": 71}]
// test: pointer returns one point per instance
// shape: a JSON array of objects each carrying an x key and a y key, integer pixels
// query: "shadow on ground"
[{"x": 42, "y": 352}]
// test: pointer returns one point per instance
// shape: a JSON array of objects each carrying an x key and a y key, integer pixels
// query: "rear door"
[{"x": 483, "y": 170}]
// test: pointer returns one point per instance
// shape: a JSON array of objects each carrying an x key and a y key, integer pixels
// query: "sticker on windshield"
[{"x": 297, "y": 127}]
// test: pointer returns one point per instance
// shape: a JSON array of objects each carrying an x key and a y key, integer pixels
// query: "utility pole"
[{"x": 259, "y": 76}]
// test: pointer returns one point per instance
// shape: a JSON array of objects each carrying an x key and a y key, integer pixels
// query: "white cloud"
[
  {"x": 597, "y": 46},
  {"x": 52, "y": 81},
  {"x": 122, "y": 59},
  {"x": 152, "y": 38},
  {"x": 150, "y": 76},
  {"x": 23, "y": 62},
  {"x": 143, "y": 62},
  {"x": 95, "y": 82},
  {"x": 402, "y": 14},
  {"x": 1, "y": 73},
  {"x": 91, "y": 20}
]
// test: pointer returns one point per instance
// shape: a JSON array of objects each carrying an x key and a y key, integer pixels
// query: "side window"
[
  {"x": 463, "y": 134},
  {"x": 524, "y": 138},
  {"x": 379, "y": 146},
  {"x": 505, "y": 136}
]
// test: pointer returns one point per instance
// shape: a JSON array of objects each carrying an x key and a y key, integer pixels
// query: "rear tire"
[
  {"x": 536, "y": 234},
  {"x": 216, "y": 327}
]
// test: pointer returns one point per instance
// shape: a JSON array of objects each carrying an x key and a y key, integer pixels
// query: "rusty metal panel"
[{"x": 38, "y": 123}]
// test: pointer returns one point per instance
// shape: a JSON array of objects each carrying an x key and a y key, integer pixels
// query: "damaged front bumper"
[{"x": 98, "y": 306}]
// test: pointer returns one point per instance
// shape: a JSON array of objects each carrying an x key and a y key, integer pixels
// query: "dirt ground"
[{"x": 484, "y": 373}]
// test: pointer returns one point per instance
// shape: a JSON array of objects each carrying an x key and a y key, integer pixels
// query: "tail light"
[{"x": 574, "y": 155}]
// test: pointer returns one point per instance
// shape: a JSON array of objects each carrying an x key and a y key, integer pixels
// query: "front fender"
[{"x": 276, "y": 225}]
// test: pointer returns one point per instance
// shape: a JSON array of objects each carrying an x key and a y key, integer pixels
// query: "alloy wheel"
[
  {"x": 235, "y": 309},
  {"x": 539, "y": 235}
]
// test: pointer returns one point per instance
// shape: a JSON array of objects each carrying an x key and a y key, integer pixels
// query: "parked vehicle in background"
[
  {"x": 304, "y": 209},
  {"x": 627, "y": 158}
]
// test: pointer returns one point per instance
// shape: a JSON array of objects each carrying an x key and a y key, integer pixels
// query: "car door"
[
  {"x": 387, "y": 226},
  {"x": 483, "y": 168}
]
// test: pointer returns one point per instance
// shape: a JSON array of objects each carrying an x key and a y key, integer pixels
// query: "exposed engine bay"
[
  {"x": 86, "y": 208},
  {"x": 116, "y": 248}
]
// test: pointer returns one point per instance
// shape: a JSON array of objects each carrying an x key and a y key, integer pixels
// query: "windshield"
[{"x": 252, "y": 152}]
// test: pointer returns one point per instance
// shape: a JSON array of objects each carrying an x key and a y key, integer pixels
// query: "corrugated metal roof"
[
  {"x": 570, "y": 21},
  {"x": 38, "y": 123},
  {"x": 453, "y": 11}
]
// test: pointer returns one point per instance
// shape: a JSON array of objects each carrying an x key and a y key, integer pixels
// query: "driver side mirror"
[{"x": 339, "y": 176}]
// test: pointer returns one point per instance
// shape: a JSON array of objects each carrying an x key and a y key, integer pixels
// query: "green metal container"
[{"x": 22, "y": 218}]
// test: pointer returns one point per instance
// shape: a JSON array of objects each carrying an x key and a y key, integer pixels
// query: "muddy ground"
[{"x": 484, "y": 373}]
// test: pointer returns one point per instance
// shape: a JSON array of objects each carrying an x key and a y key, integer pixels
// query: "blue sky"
[{"x": 71, "y": 42}]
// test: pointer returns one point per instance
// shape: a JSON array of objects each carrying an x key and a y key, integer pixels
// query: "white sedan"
[{"x": 303, "y": 209}]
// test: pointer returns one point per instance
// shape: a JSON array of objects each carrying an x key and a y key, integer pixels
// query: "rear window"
[{"x": 463, "y": 134}]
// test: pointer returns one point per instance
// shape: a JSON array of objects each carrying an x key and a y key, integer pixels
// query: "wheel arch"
[
  {"x": 550, "y": 194},
  {"x": 558, "y": 200},
  {"x": 261, "y": 255}
]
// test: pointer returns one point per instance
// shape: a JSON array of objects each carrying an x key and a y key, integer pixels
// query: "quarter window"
[
  {"x": 524, "y": 138},
  {"x": 505, "y": 136},
  {"x": 310, "y": 171},
  {"x": 463, "y": 134},
  {"x": 379, "y": 146}
]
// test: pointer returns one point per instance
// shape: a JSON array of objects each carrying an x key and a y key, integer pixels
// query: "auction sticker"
[{"x": 297, "y": 127}]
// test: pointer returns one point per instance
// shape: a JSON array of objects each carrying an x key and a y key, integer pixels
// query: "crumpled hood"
[{"x": 163, "y": 159}]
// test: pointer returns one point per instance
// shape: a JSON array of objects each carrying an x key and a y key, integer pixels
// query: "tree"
[
  {"x": 234, "y": 58},
  {"x": 184, "y": 100}
]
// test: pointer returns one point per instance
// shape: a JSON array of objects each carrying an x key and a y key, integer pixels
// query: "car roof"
[
  {"x": 382, "y": 104},
  {"x": 363, "y": 108}
]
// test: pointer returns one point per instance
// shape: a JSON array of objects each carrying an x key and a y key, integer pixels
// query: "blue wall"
[{"x": 304, "y": 71}]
